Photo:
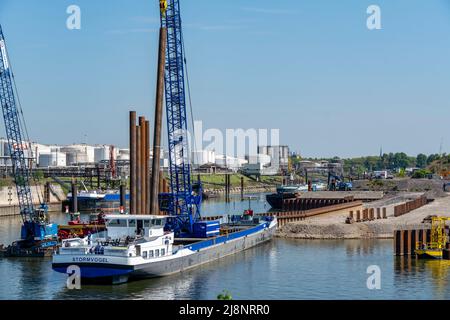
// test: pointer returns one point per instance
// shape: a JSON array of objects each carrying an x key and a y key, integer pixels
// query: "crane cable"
[
  {"x": 22, "y": 123},
  {"x": 188, "y": 86},
  {"x": 190, "y": 99}
]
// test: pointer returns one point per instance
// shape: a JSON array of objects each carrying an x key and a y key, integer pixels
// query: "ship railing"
[
  {"x": 116, "y": 251},
  {"x": 74, "y": 250},
  {"x": 429, "y": 245}
]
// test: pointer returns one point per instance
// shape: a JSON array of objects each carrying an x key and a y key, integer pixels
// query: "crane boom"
[
  {"x": 37, "y": 233},
  {"x": 14, "y": 135},
  {"x": 181, "y": 201}
]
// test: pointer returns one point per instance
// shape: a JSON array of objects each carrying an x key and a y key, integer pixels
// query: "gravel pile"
[{"x": 432, "y": 187}]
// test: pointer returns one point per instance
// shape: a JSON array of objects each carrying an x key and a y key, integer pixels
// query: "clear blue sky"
[{"x": 310, "y": 68}]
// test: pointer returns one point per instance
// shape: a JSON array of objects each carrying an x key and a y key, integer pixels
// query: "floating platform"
[
  {"x": 313, "y": 199},
  {"x": 38, "y": 250}
]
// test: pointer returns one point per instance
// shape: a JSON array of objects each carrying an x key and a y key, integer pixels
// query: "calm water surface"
[{"x": 281, "y": 269}]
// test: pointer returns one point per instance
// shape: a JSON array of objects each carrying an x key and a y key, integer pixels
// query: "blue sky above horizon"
[{"x": 310, "y": 68}]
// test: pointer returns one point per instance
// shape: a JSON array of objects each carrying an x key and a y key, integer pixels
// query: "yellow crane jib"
[{"x": 163, "y": 6}]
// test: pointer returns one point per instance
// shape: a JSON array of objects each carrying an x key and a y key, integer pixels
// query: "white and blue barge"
[{"x": 138, "y": 246}]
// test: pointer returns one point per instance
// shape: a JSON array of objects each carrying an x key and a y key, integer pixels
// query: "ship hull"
[
  {"x": 275, "y": 200},
  {"x": 189, "y": 257}
]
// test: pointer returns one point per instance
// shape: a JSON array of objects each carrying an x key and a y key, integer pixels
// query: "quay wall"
[{"x": 14, "y": 210}]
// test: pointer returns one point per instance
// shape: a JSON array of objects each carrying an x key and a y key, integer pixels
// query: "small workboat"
[{"x": 76, "y": 228}]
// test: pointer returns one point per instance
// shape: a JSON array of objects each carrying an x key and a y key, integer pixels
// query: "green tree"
[
  {"x": 421, "y": 160},
  {"x": 401, "y": 160},
  {"x": 420, "y": 174},
  {"x": 431, "y": 158}
]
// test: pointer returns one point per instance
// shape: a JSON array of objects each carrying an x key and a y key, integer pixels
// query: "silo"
[
  {"x": 75, "y": 154},
  {"x": 124, "y": 154},
  {"x": 101, "y": 153}
]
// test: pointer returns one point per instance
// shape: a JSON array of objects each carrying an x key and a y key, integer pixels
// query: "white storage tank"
[
  {"x": 78, "y": 153},
  {"x": 101, "y": 153},
  {"x": 203, "y": 157},
  {"x": 52, "y": 159},
  {"x": 231, "y": 163},
  {"x": 264, "y": 159},
  {"x": 4, "y": 152},
  {"x": 124, "y": 154},
  {"x": 38, "y": 149},
  {"x": 76, "y": 158},
  {"x": 164, "y": 163}
]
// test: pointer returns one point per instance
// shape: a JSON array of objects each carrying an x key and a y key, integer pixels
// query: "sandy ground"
[{"x": 333, "y": 226}]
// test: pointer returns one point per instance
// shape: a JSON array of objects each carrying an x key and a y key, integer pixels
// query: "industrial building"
[
  {"x": 279, "y": 155},
  {"x": 83, "y": 154},
  {"x": 321, "y": 166},
  {"x": 52, "y": 159}
]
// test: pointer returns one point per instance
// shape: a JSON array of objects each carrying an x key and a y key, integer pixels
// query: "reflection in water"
[
  {"x": 203, "y": 282},
  {"x": 360, "y": 247},
  {"x": 218, "y": 206},
  {"x": 280, "y": 269},
  {"x": 432, "y": 275}
]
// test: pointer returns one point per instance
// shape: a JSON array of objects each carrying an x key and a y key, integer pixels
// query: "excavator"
[{"x": 336, "y": 183}]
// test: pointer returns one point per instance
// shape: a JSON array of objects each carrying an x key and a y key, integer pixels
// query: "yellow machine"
[
  {"x": 163, "y": 6},
  {"x": 433, "y": 249}
]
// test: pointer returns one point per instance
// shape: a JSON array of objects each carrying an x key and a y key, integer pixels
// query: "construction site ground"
[{"x": 333, "y": 226}]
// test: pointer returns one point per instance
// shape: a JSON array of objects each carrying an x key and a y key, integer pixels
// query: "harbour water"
[{"x": 281, "y": 269}]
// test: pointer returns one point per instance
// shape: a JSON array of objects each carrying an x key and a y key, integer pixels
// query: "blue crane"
[
  {"x": 36, "y": 232},
  {"x": 181, "y": 202}
]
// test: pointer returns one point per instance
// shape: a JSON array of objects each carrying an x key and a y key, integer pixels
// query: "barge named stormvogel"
[{"x": 137, "y": 246}]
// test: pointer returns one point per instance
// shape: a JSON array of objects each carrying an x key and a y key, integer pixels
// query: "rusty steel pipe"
[
  {"x": 132, "y": 162},
  {"x": 154, "y": 186},
  {"x": 142, "y": 163},
  {"x": 122, "y": 190},
  {"x": 138, "y": 170},
  {"x": 74, "y": 197},
  {"x": 147, "y": 167}
]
